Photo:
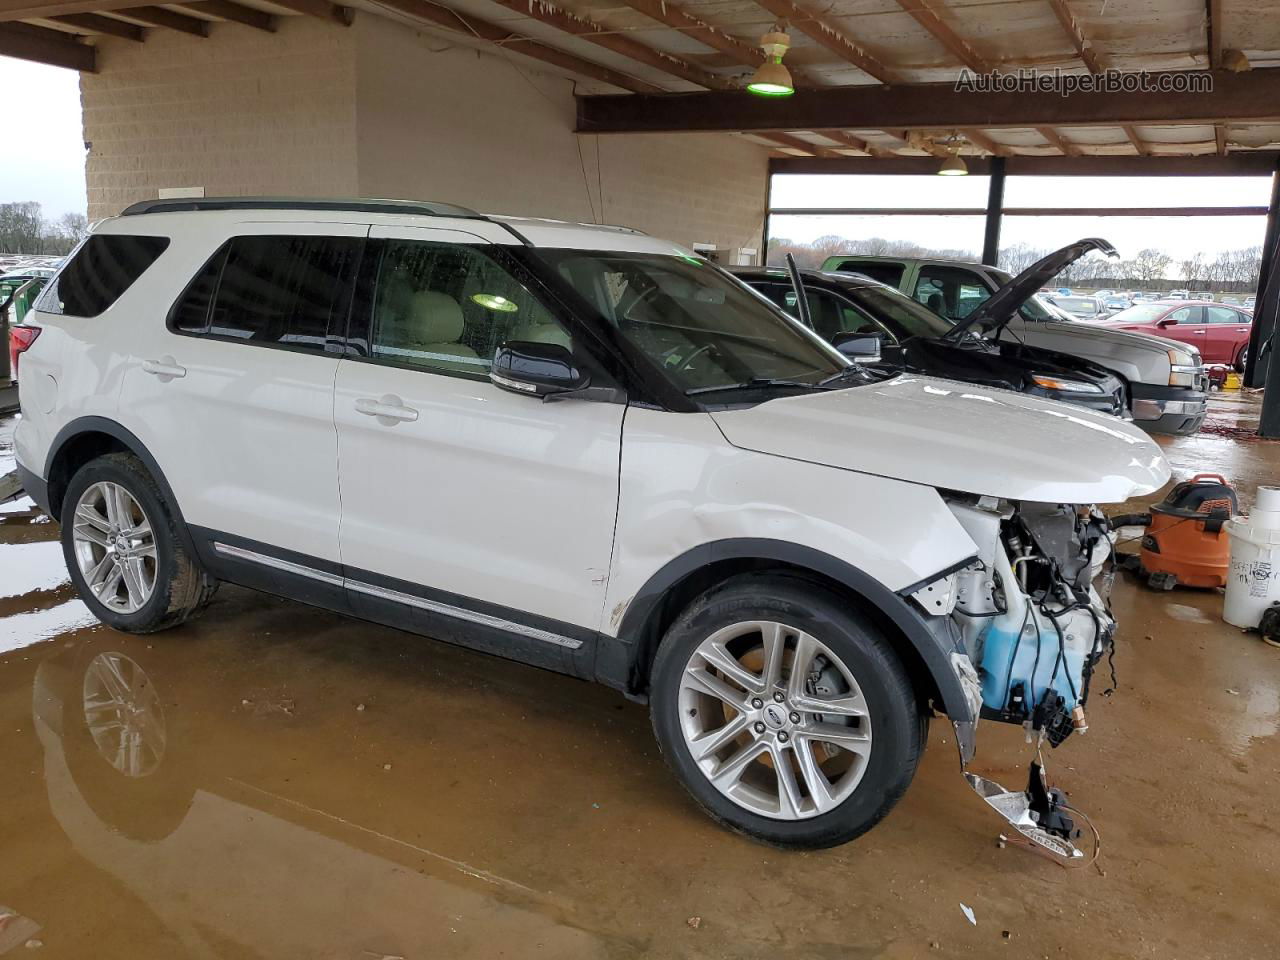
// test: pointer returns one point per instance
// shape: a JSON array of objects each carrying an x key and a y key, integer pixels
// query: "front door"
[
  {"x": 454, "y": 490},
  {"x": 1187, "y": 327}
]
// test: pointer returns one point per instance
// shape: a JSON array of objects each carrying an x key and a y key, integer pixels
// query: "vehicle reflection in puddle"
[{"x": 221, "y": 860}]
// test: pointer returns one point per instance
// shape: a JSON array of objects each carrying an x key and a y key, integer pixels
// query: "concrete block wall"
[
  {"x": 491, "y": 132},
  {"x": 379, "y": 109},
  {"x": 242, "y": 112}
]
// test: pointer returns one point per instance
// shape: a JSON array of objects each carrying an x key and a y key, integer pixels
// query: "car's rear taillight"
[{"x": 21, "y": 337}]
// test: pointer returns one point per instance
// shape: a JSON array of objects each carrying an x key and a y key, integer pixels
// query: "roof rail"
[{"x": 409, "y": 207}]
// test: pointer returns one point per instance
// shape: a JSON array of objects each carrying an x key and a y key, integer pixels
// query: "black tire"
[
  {"x": 1242, "y": 359},
  {"x": 898, "y": 723},
  {"x": 182, "y": 587}
]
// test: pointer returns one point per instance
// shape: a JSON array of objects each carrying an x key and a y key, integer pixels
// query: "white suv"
[{"x": 590, "y": 450}]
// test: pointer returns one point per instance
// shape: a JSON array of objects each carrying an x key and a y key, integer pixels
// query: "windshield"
[
  {"x": 703, "y": 329},
  {"x": 902, "y": 315}
]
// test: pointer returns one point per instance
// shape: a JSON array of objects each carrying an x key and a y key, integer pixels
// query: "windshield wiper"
[{"x": 756, "y": 383}]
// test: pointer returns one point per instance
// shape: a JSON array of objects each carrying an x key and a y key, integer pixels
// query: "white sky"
[
  {"x": 1179, "y": 237},
  {"x": 42, "y": 152}
]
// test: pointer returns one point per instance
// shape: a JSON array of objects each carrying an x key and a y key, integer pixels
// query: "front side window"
[
  {"x": 446, "y": 308},
  {"x": 291, "y": 291},
  {"x": 99, "y": 272},
  {"x": 830, "y": 314},
  {"x": 702, "y": 328},
  {"x": 1186, "y": 315}
]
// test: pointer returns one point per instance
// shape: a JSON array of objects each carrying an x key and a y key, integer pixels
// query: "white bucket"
[{"x": 1253, "y": 581}]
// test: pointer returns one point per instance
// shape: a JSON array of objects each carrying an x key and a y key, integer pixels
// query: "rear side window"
[
  {"x": 888, "y": 273},
  {"x": 275, "y": 290},
  {"x": 102, "y": 269}
]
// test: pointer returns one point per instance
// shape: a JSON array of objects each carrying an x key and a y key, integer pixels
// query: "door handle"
[
  {"x": 166, "y": 368},
  {"x": 389, "y": 407}
]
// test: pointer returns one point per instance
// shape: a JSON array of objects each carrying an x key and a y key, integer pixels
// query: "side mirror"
[
  {"x": 859, "y": 347},
  {"x": 1167, "y": 322},
  {"x": 536, "y": 369}
]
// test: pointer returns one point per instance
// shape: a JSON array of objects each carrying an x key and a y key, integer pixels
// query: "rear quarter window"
[{"x": 99, "y": 272}]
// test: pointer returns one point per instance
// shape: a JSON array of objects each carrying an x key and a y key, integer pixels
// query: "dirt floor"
[{"x": 331, "y": 789}]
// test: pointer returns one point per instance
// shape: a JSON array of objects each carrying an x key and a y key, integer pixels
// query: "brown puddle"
[{"x": 478, "y": 808}]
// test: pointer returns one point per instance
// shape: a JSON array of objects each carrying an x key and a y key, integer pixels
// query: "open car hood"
[
  {"x": 1004, "y": 304},
  {"x": 957, "y": 436}
]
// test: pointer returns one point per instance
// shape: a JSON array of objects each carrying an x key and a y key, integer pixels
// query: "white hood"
[{"x": 959, "y": 437}]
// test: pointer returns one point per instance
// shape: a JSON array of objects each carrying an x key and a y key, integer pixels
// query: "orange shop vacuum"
[{"x": 1185, "y": 543}]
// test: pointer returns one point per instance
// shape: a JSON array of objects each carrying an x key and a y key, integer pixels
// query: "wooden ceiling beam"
[
  {"x": 160, "y": 17},
  {"x": 44, "y": 45},
  {"x": 795, "y": 143},
  {"x": 234, "y": 12},
  {"x": 1137, "y": 141},
  {"x": 1225, "y": 97},
  {"x": 1055, "y": 140},
  {"x": 320, "y": 9},
  {"x": 926, "y": 14},
  {"x": 425, "y": 11},
  {"x": 713, "y": 37},
  {"x": 562, "y": 20},
  {"x": 1213, "y": 32},
  {"x": 1071, "y": 25},
  {"x": 826, "y": 34},
  {"x": 92, "y": 23},
  {"x": 985, "y": 143}
]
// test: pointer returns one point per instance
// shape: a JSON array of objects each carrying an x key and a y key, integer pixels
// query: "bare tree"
[
  {"x": 1193, "y": 270},
  {"x": 1018, "y": 257},
  {"x": 21, "y": 228},
  {"x": 1149, "y": 265}
]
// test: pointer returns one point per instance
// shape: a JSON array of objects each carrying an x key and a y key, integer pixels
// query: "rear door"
[
  {"x": 1226, "y": 331},
  {"x": 458, "y": 495},
  {"x": 233, "y": 395}
]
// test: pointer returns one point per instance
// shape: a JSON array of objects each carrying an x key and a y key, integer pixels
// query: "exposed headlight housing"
[
  {"x": 1184, "y": 368},
  {"x": 1064, "y": 384}
]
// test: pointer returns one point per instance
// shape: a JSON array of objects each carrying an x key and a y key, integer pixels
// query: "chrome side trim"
[
  {"x": 396, "y": 596},
  {"x": 460, "y": 613},
  {"x": 239, "y": 553}
]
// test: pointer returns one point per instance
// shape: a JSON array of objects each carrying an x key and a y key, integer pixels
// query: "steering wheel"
[{"x": 688, "y": 361}]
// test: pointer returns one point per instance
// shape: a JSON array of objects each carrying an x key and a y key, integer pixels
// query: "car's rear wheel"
[
  {"x": 1242, "y": 359},
  {"x": 786, "y": 715},
  {"x": 123, "y": 550}
]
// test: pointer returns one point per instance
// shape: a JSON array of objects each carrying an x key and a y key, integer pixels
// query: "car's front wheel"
[
  {"x": 786, "y": 715},
  {"x": 122, "y": 547},
  {"x": 1242, "y": 359}
]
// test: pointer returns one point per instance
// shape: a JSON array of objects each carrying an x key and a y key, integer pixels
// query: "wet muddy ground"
[{"x": 323, "y": 788}]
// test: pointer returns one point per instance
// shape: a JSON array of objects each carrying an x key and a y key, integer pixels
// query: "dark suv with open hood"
[
  {"x": 1166, "y": 382},
  {"x": 867, "y": 319}
]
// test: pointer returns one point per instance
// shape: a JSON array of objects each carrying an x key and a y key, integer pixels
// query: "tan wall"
[
  {"x": 378, "y": 109},
  {"x": 242, "y": 112},
  {"x": 492, "y": 133}
]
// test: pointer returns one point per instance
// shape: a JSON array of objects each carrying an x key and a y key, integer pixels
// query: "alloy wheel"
[
  {"x": 115, "y": 547},
  {"x": 774, "y": 720}
]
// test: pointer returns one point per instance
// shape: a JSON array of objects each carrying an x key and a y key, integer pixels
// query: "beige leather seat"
[{"x": 426, "y": 327}]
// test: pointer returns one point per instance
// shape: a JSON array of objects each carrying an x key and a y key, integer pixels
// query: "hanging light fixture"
[
  {"x": 954, "y": 165},
  {"x": 771, "y": 78}
]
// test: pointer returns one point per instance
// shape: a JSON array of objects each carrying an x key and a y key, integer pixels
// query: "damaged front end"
[{"x": 1031, "y": 623}]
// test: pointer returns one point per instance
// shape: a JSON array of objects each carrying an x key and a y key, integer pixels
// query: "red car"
[{"x": 1220, "y": 332}]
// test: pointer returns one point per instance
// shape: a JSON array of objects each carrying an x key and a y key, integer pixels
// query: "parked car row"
[
  {"x": 1165, "y": 382},
  {"x": 1219, "y": 332},
  {"x": 597, "y": 452}
]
